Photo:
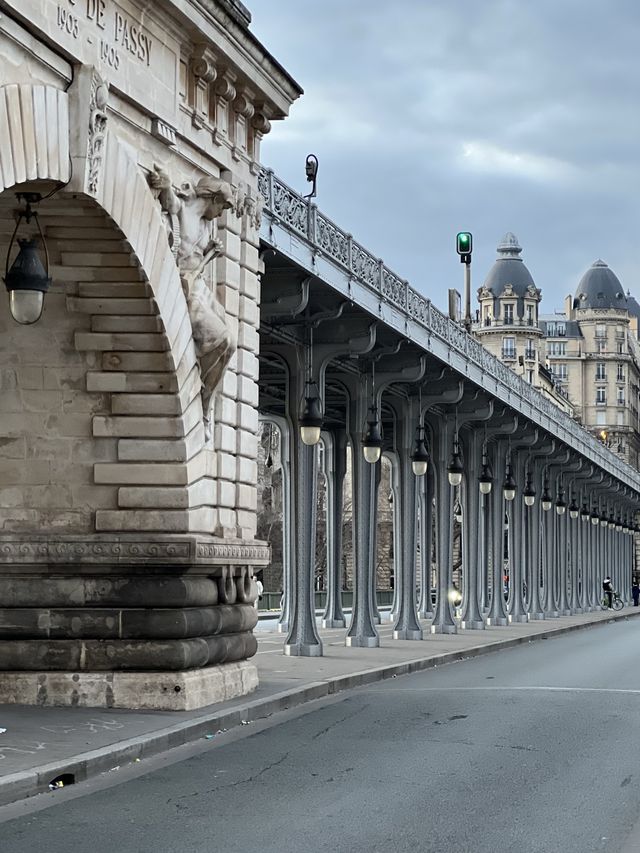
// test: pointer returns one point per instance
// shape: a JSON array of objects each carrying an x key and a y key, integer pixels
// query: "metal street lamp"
[
  {"x": 574, "y": 512},
  {"x": 595, "y": 518},
  {"x": 509, "y": 485},
  {"x": 27, "y": 280},
  {"x": 372, "y": 438},
  {"x": 310, "y": 420},
  {"x": 584, "y": 513},
  {"x": 529, "y": 493},
  {"x": 455, "y": 469},
  {"x": 420, "y": 455},
  {"x": 545, "y": 500},
  {"x": 561, "y": 504}
]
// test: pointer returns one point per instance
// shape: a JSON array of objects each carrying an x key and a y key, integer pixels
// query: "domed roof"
[
  {"x": 509, "y": 269},
  {"x": 600, "y": 288},
  {"x": 633, "y": 306}
]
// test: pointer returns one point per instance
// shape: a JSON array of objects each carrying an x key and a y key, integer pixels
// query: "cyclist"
[{"x": 607, "y": 588}]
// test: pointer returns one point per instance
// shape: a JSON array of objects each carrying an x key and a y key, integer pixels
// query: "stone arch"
[{"x": 139, "y": 331}]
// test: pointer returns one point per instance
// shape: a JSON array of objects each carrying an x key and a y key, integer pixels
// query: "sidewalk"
[{"x": 42, "y": 743}]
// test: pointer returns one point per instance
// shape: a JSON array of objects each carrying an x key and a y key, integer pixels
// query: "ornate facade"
[{"x": 128, "y": 462}]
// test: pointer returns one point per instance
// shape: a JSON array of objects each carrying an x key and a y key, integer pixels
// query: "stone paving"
[{"x": 42, "y": 743}]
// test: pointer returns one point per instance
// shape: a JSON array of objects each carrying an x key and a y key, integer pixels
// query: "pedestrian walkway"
[{"x": 41, "y": 744}]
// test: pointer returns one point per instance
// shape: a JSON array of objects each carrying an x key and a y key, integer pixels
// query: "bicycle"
[{"x": 616, "y": 602}]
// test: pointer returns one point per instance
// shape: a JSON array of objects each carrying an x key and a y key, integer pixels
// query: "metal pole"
[{"x": 467, "y": 296}]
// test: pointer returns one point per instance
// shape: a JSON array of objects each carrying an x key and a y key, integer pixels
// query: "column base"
[
  {"x": 282, "y": 628},
  {"x": 406, "y": 634},
  {"x": 553, "y": 614},
  {"x": 303, "y": 650},
  {"x": 521, "y": 617},
  {"x": 472, "y": 625},
  {"x": 334, "y": 623},
  {"x": 538, "y": 617},
  {"x": 148, "y": 691},
  {"x": 565, "y": 612},
  {"x": 497, "y": 621},
  {"x": 362, "y": 642},
  {"x": 444, "y": 629},
  {"x": 578, "y": 611}
]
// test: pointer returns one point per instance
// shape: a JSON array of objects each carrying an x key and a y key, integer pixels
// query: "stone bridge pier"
[{"x": 128, "y": 412}]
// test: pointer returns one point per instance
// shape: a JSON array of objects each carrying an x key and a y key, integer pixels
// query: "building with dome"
[
  {"x": 586, "y": 358},
  {"x": 593, "y": 353},
  {"x": 508, "y": 321}
]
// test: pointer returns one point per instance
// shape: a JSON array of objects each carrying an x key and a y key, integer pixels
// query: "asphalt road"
[{"x": 534, "y": 749}]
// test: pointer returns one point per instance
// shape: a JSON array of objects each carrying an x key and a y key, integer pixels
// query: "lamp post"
[
  {"x": 455, "y": 469},
  {"x": 27, "y": 280}
]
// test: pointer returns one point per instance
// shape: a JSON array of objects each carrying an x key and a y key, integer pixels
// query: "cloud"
[{"x": 431, "y": 116}]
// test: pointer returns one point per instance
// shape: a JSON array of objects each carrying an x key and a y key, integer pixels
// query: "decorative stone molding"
[
  {"x": 189, "y": 212},
  {"x": 97, "y": 130},
  {"x": 163, "y": 131},
  {"x": 103, "y": 550},
  {"x": 203, "y": 64}
]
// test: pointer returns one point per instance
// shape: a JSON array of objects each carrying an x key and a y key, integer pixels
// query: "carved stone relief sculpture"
[
  {"x": 97, "y": 129},
  {"x": 190, "y": 214}
]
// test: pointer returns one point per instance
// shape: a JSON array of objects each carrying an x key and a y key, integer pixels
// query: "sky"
[{"x": 430, "y": 117}]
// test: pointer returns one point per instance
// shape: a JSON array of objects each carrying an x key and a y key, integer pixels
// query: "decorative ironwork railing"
[{"x": 323, "y": 235}]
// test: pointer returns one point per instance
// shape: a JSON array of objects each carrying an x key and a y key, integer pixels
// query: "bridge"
[{"x": 392, "y": 374}]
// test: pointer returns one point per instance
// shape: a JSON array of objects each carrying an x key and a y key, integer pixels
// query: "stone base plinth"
[{"x": 150, "y": 691}]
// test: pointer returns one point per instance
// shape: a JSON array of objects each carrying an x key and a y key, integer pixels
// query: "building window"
[
  {"x": 601, "y": 418},
  {"x": 620, "y": 347},
  {"x": 601, "y": 330},
  {"x": 620, "y": 418},
  {"x": 508, "y": 314},
  {"x": 601, "y": 370},
  {"x": 530, "y": 350},
  {"x": 601, "y": 346},
  {"x": 486, "y": 315},
  {"x": 621, "y": 396},
  {"x": 551, "y": 330},
  {"x": 531, "y": 315},
  {"x": 530, "y": 377},
  {"x": 601, "y": 396},
  {"x": 562, "y": 330},
  {"x": 556, "y": 348},
  {"x": 508, "y": 347},
  {"x": 560, "y": 371},
  {"x": 620, "y": 373}
]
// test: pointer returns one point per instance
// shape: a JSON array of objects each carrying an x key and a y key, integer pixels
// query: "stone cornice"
[{"x": 119, "y": 550}]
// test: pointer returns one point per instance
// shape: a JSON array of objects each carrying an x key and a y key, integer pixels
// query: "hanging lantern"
[
  {"x": 420, "y": 455},
  {"x": 545, "y": 500},
  {"x": 372, "y": 438},
  {"x": 27, "y": 280},
  {"x": 584, "y": 513},
  {"x": 561, "y": 504},
  {"x": 455, "y": 469},
  {"x": 529, "y": 493},
  {"x": 595, "y": 518},
  {"x": 509, "y": 485},
  {"x": 310, "y": 420},
  {"x": 574, "y": 512}
]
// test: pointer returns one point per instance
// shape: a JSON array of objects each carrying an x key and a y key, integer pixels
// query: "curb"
[{"x": 29, "y": 783}]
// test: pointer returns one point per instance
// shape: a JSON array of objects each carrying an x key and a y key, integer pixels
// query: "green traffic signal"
[{"x": 464, "y": 243}]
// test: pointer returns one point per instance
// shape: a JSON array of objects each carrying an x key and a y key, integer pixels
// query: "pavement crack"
[
  {"x": 230, "y": 784},
  {"x": 337, "y": 722}
]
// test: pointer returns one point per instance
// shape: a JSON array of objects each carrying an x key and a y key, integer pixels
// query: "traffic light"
[{"x": 464, "y": 245}]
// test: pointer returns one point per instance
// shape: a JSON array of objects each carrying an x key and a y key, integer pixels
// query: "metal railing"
[{"x": 303, "y": 218}]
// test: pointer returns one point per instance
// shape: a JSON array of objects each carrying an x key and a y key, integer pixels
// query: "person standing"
[
  {"x": 260, "y": 588},
  {"x": 635, "y": 592},
  {"x": 607, "y": 588}
]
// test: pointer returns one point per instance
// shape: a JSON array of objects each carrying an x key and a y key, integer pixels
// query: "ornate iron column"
[
  {"x": 377, "y": 477},
  {"x": 394, "y": 497},
  {"x": 288, "y": 525},
  {"x": 335, "y": 469},
  {"x": 362, "y": 630},
  {"x": 303, "y": 639},
  {"x": 426, "y": 487},
  {"x": 443, "y": 432},
  {"x": 518, "y": 537},
  {"x": 473, "y": 516},
  {"x": 497, "y": 614},
  {"x": 406, "y": 626}
]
